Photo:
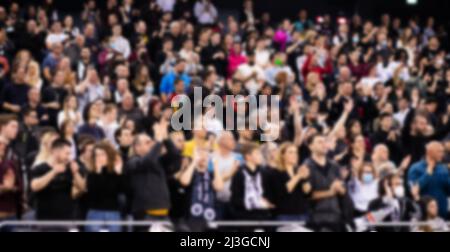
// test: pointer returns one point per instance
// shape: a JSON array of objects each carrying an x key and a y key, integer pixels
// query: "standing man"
[
  {"x": 432, "y": 176},
  {"x": 327, "y": 187}
]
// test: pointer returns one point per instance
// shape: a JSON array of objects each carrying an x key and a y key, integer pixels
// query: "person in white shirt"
[
  {"x": 108, "y": 122},
  {"x": 251, "y": 75},
  {"x": 166, "y": 5},
  {"x": 262, "y": 54},
  {"x": 363, "y": 187},
  {"x": 205, "y": 12},
  {"x": 56, "y": 35},
  {"x": 118, "y": 43},
  {"x": 228, "y": 163}
]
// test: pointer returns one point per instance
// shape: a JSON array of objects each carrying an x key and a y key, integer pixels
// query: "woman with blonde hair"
[
  {"x": 290, "y": 188},
  {"x": 33, "y": 75},
  {"x": 70, "y": 79},
  {"x": 44, "y": 153}
]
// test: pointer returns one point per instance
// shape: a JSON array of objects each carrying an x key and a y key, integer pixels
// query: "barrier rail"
[{"x": 213, "y": 224}]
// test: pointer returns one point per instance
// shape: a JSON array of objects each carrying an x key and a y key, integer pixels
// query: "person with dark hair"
[
  {"x": 328, "y": 189},
  {"x": 53, "y": 181},
  {"x": 148, "y": 182},
  {"x": 104, "y": 184},
  {"x": 167, "y": 86},
  {"x": 399, "y": 208},
  {"x": 430, "y": 212},
  {"x": 248, "y": 187}
]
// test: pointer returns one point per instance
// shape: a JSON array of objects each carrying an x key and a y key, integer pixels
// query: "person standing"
[
  {"x": 53, "y": 181},
  {"x": 432, "y": 176},
  {"x": 327, "y": 187}
]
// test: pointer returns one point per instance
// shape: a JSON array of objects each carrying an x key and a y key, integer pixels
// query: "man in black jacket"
[{"x": 150, "y": 198}]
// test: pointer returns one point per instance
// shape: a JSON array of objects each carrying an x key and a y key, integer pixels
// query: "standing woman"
[
  {"x": 70, "y": 111},
  {"x": 68, "y": 130},
  {"x": 104, "y": 184},
  {"x": 289, "y": 185}
]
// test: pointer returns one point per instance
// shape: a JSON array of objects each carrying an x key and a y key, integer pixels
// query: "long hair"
[
  {"x": 111, "y": 153},
  {"x": 281, "y": 163},
  {"x": 45, "y": 147}
]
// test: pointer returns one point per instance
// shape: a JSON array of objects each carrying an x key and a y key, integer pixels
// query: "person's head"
[
  {"x": 30, "y": 118},
  {"x": 59, "y": 78},
  {"x": 177, "y": 138},
  {"x": 355, "y": 128},
  {"x": 380, "y": 154},
  {"x": 117, "y": 30},
  {"x": 61, "y": 151},
  {"x": 141, "y": 27},
  {"x": 386, "y": 122},
  {"x": 47, "y": 137},
  {"x": 203, "y": 159},
  {"x": 346, "y": 89},
  {"x": 431, "y": 105},
  {"x": 9, "y": 127},
  {"x": 85, "y": 148},
  {"x": 127, "y": 101},
  {"x": 358, "y": 143},
  {"x": 56, "y": 27},
  {"x": 226, "y": 141},
  {"x": 122, "y": 71},
  {"x": 124, "y": 137},
  {"x": 142, "y": 144},
  {"x": 287, "y": 156},
  {"x": 122, "y": 86},
  {"x": 367, "y": 173},
  {"x": 34, "y": 96},
  {"x": 435, "y": 151},
  {"x": 420, "y": 123},
  {"x": 394, "y": 183},
  {"x": 431, "y": 208},
  {"x": 57, "y": 49},
  {"x": 199, "y": 131},
  {"x": 68, "y": 21},
  {"x": 104, "y": 156},
  {"x": 68, "y": 128},
  {"x": 317, "y": 144},
  {"x": 85, "y": 54},
  {"x": 70, "y": 103},
  {"x": 216, "y": 39},
  {"x": 179, "y": 86},
  {"x": 110, "y": 112},
  {"x": 180, "y": 66},
  {"x": 175, "y": 28},
  {"x": 252, "y": 154}
]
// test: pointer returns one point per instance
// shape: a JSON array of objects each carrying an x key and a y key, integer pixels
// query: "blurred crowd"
[{"x": 87, "y": 100}]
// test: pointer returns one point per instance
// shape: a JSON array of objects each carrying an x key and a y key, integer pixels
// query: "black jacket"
[
  {"x": 148, "y": 182},
  {"x": 408, "y": 211}
]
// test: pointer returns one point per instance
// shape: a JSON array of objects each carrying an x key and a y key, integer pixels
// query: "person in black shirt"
[
  {"x": 289, "y": 185},
  {"x": 202, "y": 185},
  {"x": 53, "y": 97},
  {"x": 248, "y": 187},
  {"x": 104, "y": 184},
  {"x": 53, "y": 181},
  {"x": 14, "y": 95},
  {"x": 327, "y": 187}
]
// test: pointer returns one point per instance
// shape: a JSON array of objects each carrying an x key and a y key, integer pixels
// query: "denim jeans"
[
  {"x": 97, "y": 215},
  {"x": 7, "y": 229}
]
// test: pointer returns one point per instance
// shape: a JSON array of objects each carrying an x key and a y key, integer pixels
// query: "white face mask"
[{"x": 399, "y": 192}]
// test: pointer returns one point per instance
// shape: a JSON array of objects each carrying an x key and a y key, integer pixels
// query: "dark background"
[{"x": 289, "y": 8}]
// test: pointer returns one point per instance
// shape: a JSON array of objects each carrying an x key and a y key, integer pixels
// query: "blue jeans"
[
  {"x": 7, "y": 229},
  {"x": 96, "y": 215}
]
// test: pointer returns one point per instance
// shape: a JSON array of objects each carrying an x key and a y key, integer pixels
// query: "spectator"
[
  {"x": 205, "y": 12},
  {"x": 290, "y": 188},
  {"x": 363, "y": 188},
  {"x": 104, "y": 184},
  {"x": 248, "y": 187},
  {"x": 432, "y": 176},
  {"x": 53, "y": 181},
  {"x": 327, "y": 187},
  {"x": 392, "y": 198}
]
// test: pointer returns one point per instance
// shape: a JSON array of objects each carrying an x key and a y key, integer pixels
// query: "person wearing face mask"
[
  {"x": 392, "y": 198},
  {"x": 363, "y": 188}
]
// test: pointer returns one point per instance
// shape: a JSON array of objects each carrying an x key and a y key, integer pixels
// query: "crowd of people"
[{"x": 87, "y": 100}]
